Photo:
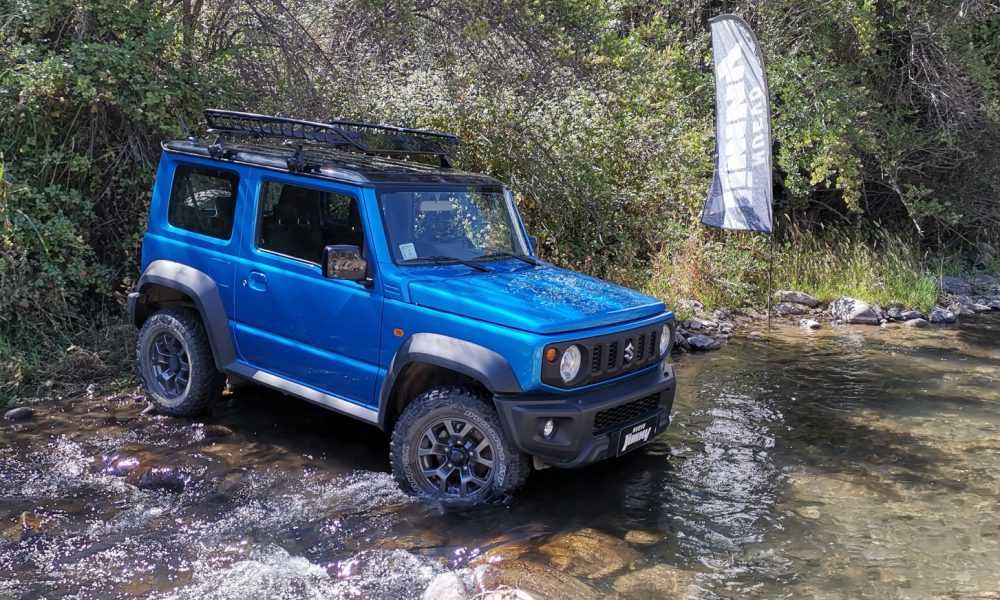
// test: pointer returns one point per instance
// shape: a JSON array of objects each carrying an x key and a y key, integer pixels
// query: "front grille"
[
  {"x": 612, "y": 418},
  {"x": 607, "y": 356}
]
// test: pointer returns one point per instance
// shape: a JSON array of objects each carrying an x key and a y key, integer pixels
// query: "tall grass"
[{"x": 731, "y": 269}]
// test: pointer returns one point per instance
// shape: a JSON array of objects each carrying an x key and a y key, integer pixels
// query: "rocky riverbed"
[
  {"x": 853, "y": 461},
  {"x": 959, "y": 298}
]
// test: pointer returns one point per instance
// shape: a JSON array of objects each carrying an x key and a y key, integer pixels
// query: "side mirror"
[
  {"x": 533, "y": 240},
  {"x": 344, "y": 262}
]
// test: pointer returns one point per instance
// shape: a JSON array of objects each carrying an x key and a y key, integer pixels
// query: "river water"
[{"x": 844, "y": 463}]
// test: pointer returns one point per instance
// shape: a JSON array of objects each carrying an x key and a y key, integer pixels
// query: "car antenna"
[{"x": 185, "y": 130}]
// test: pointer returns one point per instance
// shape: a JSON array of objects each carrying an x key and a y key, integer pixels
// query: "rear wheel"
[
  {"x": 448, "y": 445},
  {"x": 175, "y": 362}
]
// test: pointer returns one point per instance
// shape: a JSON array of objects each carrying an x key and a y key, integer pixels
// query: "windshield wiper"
[
  {"x": 504, "y": 254},
  {"x": 440, "y": 260}
]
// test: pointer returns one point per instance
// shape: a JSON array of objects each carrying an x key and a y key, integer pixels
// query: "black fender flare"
[
  {"x": 207, "y": 300},
  {"x": 478, "y": 362}
]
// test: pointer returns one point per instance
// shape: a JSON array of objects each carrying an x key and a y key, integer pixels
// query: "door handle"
[{"x": 258, "y": 281}]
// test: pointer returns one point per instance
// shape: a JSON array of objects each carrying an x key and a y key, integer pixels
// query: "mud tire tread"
[
  {"x": 206, "y": 382},
  {"x": 454, "y": 398}
]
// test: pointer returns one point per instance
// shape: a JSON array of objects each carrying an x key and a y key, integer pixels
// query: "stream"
[{"x": 851, "y": 462}]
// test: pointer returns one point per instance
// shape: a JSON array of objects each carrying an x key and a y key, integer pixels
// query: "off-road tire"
[
  {"x": 204, "y": 383},
  {"x": 511, "y": 466}
]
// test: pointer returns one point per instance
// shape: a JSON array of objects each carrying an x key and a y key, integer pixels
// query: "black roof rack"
[{"x": 366, "y": 138}]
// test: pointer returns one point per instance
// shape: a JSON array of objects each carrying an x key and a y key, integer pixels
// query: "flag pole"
[{"x": 770, "y": 276}]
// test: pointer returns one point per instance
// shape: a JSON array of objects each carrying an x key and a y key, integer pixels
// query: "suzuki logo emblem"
[{"x": 629, "y": 351}]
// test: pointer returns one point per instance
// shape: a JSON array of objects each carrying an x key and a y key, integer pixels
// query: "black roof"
[
  {"x": 326, "y": 163},
  {"x": 350, "y": 151}
]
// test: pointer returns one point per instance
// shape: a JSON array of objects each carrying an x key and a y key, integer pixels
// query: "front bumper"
[{"x": 587, "y": 426}]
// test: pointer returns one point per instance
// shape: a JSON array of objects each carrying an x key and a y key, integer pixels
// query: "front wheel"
[{"x": 448, "y": 445}]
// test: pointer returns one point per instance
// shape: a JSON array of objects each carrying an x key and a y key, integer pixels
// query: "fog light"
[{"x": 548, "y": 429}]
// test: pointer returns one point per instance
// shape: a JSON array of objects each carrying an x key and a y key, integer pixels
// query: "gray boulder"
[
  {"x": 979, "y": 308},
  {"x": 894, "y": 313},
  {"x": 446, "y": 586},
  {"x": 942, "y": 316},
  {"x": 909, "y": 315},
  {"x": 857, "y": 312},
  {"x": 21, "y": 413},
  {"x": 985, "y": 283},
  {"x": 955, "y": 285},
  {"x": 783, "y": 309},
  {"x": 797, "y": 298},
  {"x": 995, "y": 304},
  {"x": 917, "y": 323},
  {"x": 703, "y": 343},
  {"x": 961, "y": 310}
]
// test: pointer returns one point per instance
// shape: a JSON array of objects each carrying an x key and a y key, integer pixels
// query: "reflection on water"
[{"x": 844, "y": 463}]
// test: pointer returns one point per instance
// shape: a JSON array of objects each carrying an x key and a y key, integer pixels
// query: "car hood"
[{"x": 542, "y": 299}]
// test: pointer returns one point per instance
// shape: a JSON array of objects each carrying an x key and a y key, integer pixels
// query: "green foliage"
[
  {"x": 598, "y": 114},
  {"x": 731, "y": 269}
]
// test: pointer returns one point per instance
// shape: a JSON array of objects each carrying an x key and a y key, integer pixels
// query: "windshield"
[{"x": 462, "y": 224}]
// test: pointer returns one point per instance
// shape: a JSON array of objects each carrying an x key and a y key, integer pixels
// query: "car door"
[{"x": 291, "y": 320}]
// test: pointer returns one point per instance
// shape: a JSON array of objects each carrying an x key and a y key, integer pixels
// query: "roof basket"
[{"x": 367, "y": 138}]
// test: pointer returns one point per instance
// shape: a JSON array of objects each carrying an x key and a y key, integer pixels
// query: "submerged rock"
[
  {"x": 942, "y": 316},
  {"x": 216, "y": 432},
  {"x": 160, "y": 478},
  {"x": 589, "y": 553},
  {"x": 21, "y": 413},
  {"x": 500, "y": 553},
  {"x": 783, "y": 309},
  {"x": 809, "y": 324},
  {"x": 642, "y": 538},
  {"x": 703, "y": 343},
  {"x": 916, "y": 323},
  {"x": 797, "y": 298},
  {"x": 856, "y": 312},
  {"x": 540, "y": 581},
  {"x": 659, "y": 582}
]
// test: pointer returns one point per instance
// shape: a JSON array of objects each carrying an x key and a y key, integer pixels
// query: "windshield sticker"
[{"x": 408, "y": 251}]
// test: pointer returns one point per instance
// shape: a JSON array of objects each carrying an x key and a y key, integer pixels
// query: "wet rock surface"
[
  {"x": 589, "y": 553},
  {"x": 654, "y": 583},
  {"x": 846, "y": 462},
  {"x": 703, "y": 343},
  {"x": 21, "y": 413}
]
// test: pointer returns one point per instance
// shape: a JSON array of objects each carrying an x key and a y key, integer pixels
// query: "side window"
[
  {"x": 299, "y": 222},
  {"x": 203, "y": 200}
]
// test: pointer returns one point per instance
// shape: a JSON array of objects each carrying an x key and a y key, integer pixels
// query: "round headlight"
[
  {"x": 569, "y": 366},
  {"x": 665, "y": 335}
]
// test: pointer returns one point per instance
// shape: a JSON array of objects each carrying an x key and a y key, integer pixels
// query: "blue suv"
[{"x": 350, "y": 265}]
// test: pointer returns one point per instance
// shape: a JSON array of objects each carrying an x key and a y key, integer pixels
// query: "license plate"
[{"x": 636, "y": 435}]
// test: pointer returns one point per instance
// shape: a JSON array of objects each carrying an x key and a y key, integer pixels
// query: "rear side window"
[
  {"x": 203, "y": 200},
  {"x": 299, "y": 222}
]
